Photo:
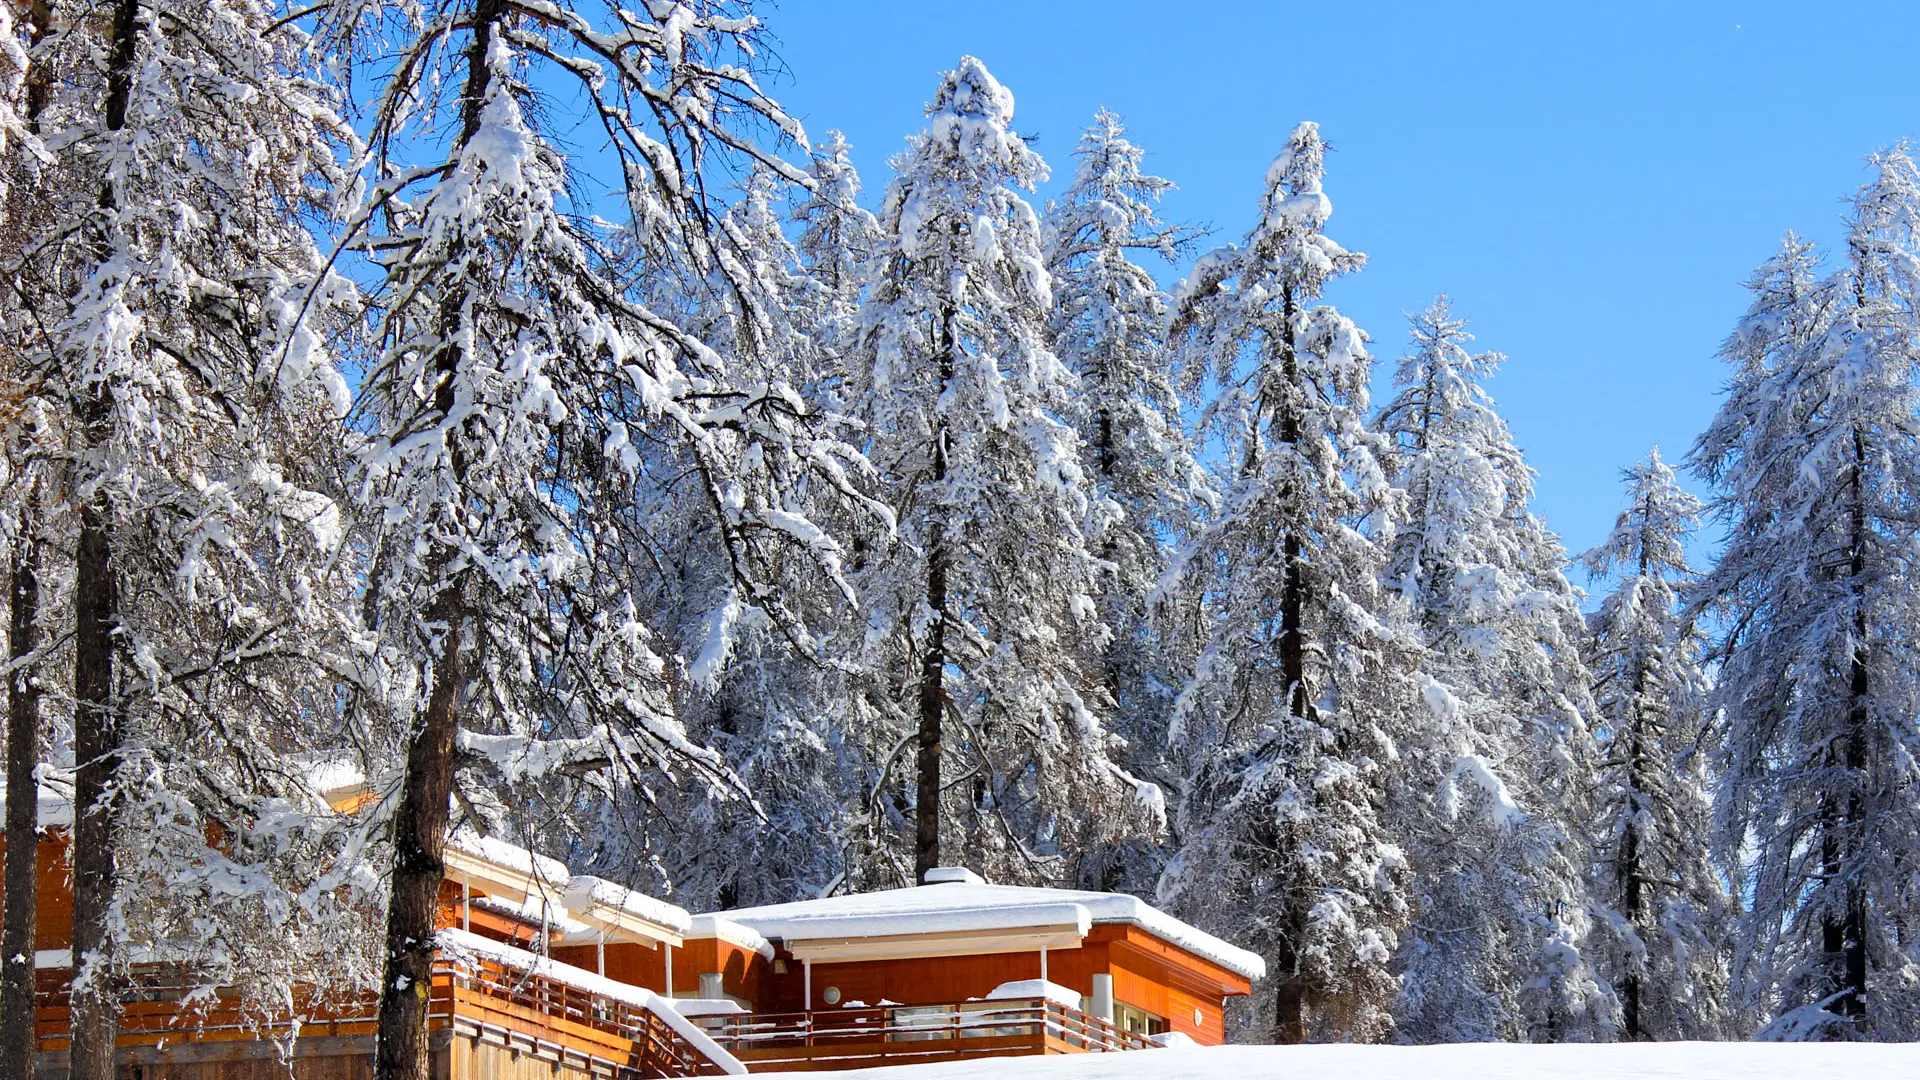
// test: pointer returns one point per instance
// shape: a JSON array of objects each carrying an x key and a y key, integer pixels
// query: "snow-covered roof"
[
  {"x": 615, "y": 906},
  {"x": 963, "y": 906},
  {"x": 724, "y": 928},
  {"x": 494, "y": 865},
  {"x": 334, "y": 776},
  {"x": 458, "y": 945}
]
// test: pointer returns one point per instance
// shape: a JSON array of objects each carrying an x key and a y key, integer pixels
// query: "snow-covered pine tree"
[
  {"x": 1304, "y": 675},
  {"x": 1814, "y": 456},
  {"x": 521, "y": 391},
  {"x": 1109, "y": 325},
  {"x": 837, "y": 242},
  {"x": 158, "y": 257},
  {"x": 1494, "y": 812},
  {"x": 977, "y": 617},
  {"x": 775, "y": 707},
  {"x": 1665, "y": 911}
]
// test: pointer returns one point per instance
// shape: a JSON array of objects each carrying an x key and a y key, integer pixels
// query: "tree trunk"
[
  {"x": 1631, "y": 868},
  {"x": 420, "y": 822},
  {"x": 1852, "y": 932},
  {"x": 1631, "y": 876},
  {"x": 96, "y": 715},
  {"x": 1291, "y": 990},
  {"x": 17, "y": 1037},
  {"x": 933, "y": 700},
  {"x": 419, "y": 868},
  {"x": 1293, "y": 590},
  {"x": 97, "y": 745},
  {"x": 933, "y": 656}
]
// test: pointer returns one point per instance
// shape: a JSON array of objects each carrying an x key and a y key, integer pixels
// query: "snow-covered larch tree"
[
  {"x": 1814, "y": 457},
  {"x": 1305, "y": 669},
  {"x": 1493, "y": 812},
  {"x": 1664, "y": 906},
  {"x": 837, "y": 242},
  {"x": 159, "y": 256},
  {"x": 774, "y": 704},
  {"x": 977, "y": 618},
  {"x": 521, "y": 391},
  {"x": 1109, "y": 324}
]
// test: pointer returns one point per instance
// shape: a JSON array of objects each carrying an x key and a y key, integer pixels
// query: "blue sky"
[{"x": 1590, "y": 182}]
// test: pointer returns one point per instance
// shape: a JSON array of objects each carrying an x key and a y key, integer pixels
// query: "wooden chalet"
[
  {"x": 962, "y": 968},
  {"x": 546, "y": 975}
]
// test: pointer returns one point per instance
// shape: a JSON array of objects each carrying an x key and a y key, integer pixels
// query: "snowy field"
[{"x": 1478, "y": 1061}]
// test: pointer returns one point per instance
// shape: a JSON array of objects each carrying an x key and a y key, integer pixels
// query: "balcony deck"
[
  {"x": 478, "y": 1006},
  {"x": 857, "y": 1038}
]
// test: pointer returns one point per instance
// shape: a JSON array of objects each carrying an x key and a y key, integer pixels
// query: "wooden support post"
[
  {"x": 466, "y": 905},
  {"x": 668, "y": 950},
  {"x": 1043, "y": 963}
]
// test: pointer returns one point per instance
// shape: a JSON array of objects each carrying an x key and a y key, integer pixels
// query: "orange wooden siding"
[
  {"x": 53, "y": 908},
  {"x": 1148, "y": 973}
]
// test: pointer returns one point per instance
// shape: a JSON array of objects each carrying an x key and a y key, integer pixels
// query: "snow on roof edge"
[
  {"x": 53, "y": 802},
  {"x": 965, "y": 906},
  {"x": 725, "y": 929},
  {"x": 584, "y": 890},
  {"x": 539, "y": 868}
]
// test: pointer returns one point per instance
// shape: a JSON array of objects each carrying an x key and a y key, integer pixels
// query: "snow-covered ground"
[{"x": 1477, "y": 1061}]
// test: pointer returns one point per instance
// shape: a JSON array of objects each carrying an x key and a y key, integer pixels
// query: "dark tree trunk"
[
  {"x": 1289, "y": 999},
  {"x": 420, "y": 821},
  {"x": 1291, "y": 990},
  {"x": 18, "y": 1041},
  {"x": 96, "y": 715},
  {"x": 933, "y": 656},
  {"x": 933, "y": 700},
  {"x": 419, "y": 868},
  {"x": 97, "y": 746},
  {"x": 1631, "y": 868},
  {"x": 1631, "y": 986},
  {"x": 1847, "y": 941},
  {"x": 17, "y": 1038}
]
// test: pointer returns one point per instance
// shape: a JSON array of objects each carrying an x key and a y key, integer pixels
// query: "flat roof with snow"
[{"x": 958, "y": 913}]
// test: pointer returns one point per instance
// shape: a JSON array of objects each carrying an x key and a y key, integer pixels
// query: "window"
[{"x": 1137, "y": 1020}]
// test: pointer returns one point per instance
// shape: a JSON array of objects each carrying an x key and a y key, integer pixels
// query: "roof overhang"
[
  {"x": 835, "y": 950},
  {"x": 588, "y": 900},
  {"x": 511, "y": 874},
  {"x": 619, "y": 925}
]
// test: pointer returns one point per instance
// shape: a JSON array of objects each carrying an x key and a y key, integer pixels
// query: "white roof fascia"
[
  {"x": 623, "y": 915},
  {"x": 915, "y": 946},
  {"x": 501, "y": 869}
]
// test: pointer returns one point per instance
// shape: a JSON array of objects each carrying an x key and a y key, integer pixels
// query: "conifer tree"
[
  {"x": 1813, "y": 457},
  {"x": 1109, "y": 326},
  {"x": 977, "y": 615},
  {"x": 157, "y": 254},
  {"x": 1664, "y": 905},
  {"x": 1304, "y": 672},
  {"x": 523, "y": 396},
  {"x": 1494, "y": 812}
]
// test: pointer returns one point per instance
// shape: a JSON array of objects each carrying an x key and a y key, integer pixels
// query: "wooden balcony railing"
[
  {"x": 522, "y": 1005},
  {"x": 165, "y": 1005},
  {"x": 899, "y": 1034}
]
